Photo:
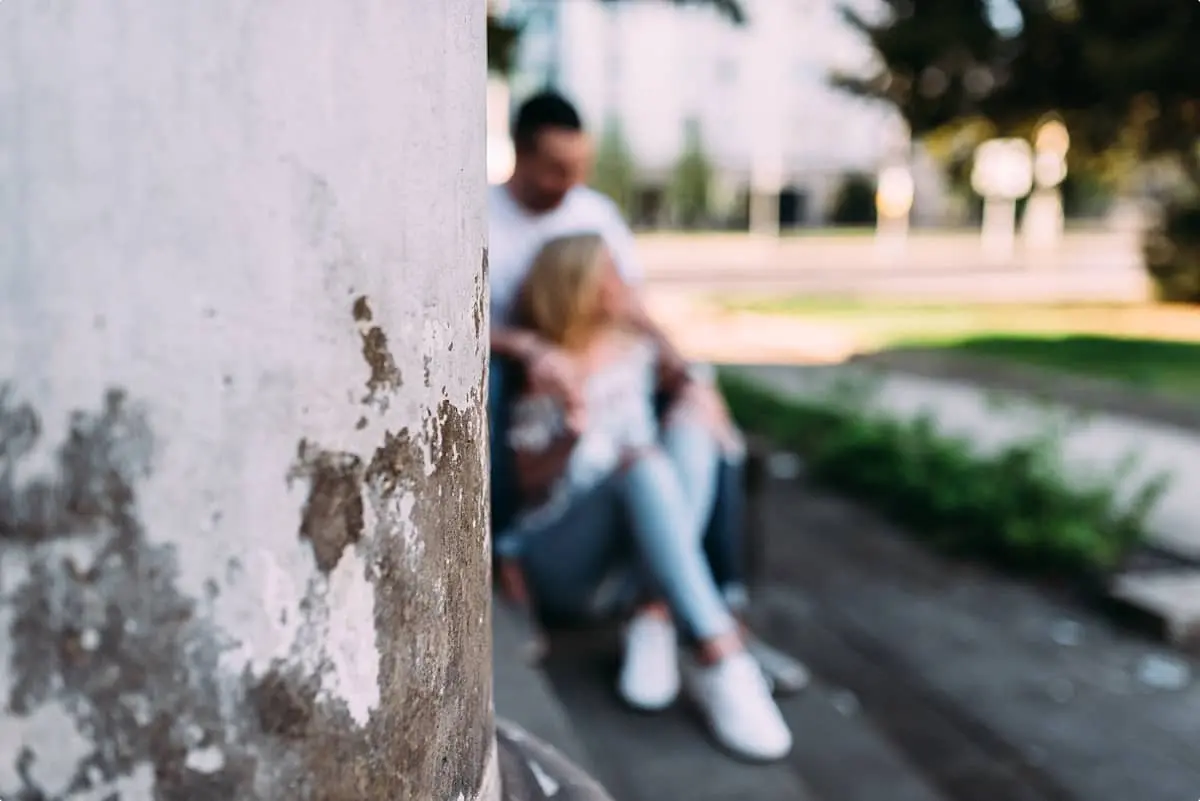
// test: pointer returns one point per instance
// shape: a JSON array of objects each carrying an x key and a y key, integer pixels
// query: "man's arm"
[
  {"x": 671, "y": 361},
  {"x": 681, "y": 385},
  {"x": 623, "y": 247}
]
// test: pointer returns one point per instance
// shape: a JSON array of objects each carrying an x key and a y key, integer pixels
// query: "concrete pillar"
[{"x": 243, "y": 532}]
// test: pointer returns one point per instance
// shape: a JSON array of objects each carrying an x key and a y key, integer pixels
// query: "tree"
[
  {"x": 615, "y": 170},
  {"x": 1121, "y": 75},
  {"x": 242, "y": 486},
  {"x": 1125, "y": 77},
  {"x": 503, "y": 34},
  {"x": 691, "y": 181}
]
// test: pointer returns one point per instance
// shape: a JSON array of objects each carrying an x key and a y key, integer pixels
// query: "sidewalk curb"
[{"x": 1165, "y": 604}]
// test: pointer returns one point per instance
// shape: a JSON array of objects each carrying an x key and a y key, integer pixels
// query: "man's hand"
[
  {"x": 548, "y": 369},
  {"x": 552, "y": 372}
]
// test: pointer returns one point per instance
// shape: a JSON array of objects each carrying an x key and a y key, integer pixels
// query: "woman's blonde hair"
[{"x": 560, "y": 299}]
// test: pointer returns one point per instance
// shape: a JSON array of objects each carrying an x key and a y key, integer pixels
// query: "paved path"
[
  {"x": 952, "y": 285},
  {"x": 1096, "y": 266},
  {"x": 934, "y": 681},
  {"x": 1095, "y": 443},
  {"x": 705, "y": 333},
  {"x": 992, "y": 689}
]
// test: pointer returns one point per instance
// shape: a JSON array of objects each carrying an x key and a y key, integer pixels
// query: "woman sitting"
[{"x": 603, "y": 484}]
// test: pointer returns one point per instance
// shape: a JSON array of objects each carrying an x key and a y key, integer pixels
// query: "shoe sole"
[{"x": 644, "y": 709}]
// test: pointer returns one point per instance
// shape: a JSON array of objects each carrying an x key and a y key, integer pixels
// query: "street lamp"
[
  {"x": 1042, "y": 225},
  {"x": 1002, "y": 173},
  {"x": 893, "y": 202}
]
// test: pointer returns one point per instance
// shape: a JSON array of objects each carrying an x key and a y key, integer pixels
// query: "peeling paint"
[
  {"x": 108, "y": 654},
  {"x": 161, "y": 584},
  {"x": 384, "y": 378},
  {"x": 106, "y": 660},
  {"x": 96, "y": 464},
  {"x": 283, "y": 704},
  {"x": 480, "y": 305},
  {"x": 333, "y": 513},
  {"x": 353, "y": 677}
]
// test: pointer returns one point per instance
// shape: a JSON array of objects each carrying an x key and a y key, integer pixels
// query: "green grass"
[
  {"x": 1156, "y": 348},
  {"x": 878, "y": 325},
  {"x": 1162, "y": 366}
]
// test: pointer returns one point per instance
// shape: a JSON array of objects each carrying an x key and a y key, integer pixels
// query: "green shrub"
[
  {"x": 1013, "y": 507},
  {"x": 1172, "y": 252},
  {"x": 855, "y": 202},
  {"x": 615, "y": 170}
]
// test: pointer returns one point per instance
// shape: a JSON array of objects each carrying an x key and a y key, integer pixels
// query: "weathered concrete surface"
[{"x": 243, "y": 548}]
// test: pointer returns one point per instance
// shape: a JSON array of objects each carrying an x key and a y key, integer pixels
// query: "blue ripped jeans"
[{"x": 672, "y": 521}]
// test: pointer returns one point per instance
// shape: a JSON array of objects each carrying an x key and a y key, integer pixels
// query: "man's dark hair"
[{"x": 544, "y": 110}]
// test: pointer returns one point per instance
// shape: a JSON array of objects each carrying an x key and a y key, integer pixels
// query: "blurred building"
[{"x": 758, "y": 95}]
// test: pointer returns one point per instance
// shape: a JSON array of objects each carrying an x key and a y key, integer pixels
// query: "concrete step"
[
  {"x": 521, "y": 691},
  {"x": 840, "y": 750},
  {"x": 651, "y": 757},
  {"x": 839, "y": 753},
  {"x": 876, "y": 734},
  {"x": 1167, "y": 602},
  {"x": 991, "y": 687}
]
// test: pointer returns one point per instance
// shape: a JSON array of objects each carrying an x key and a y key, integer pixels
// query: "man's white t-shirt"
[{"x": 516, "y": 236}]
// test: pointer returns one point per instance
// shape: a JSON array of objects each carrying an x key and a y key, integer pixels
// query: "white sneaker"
[
  {"x": 743, "y": 716},
  {"x": 649, "y": 678}
]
